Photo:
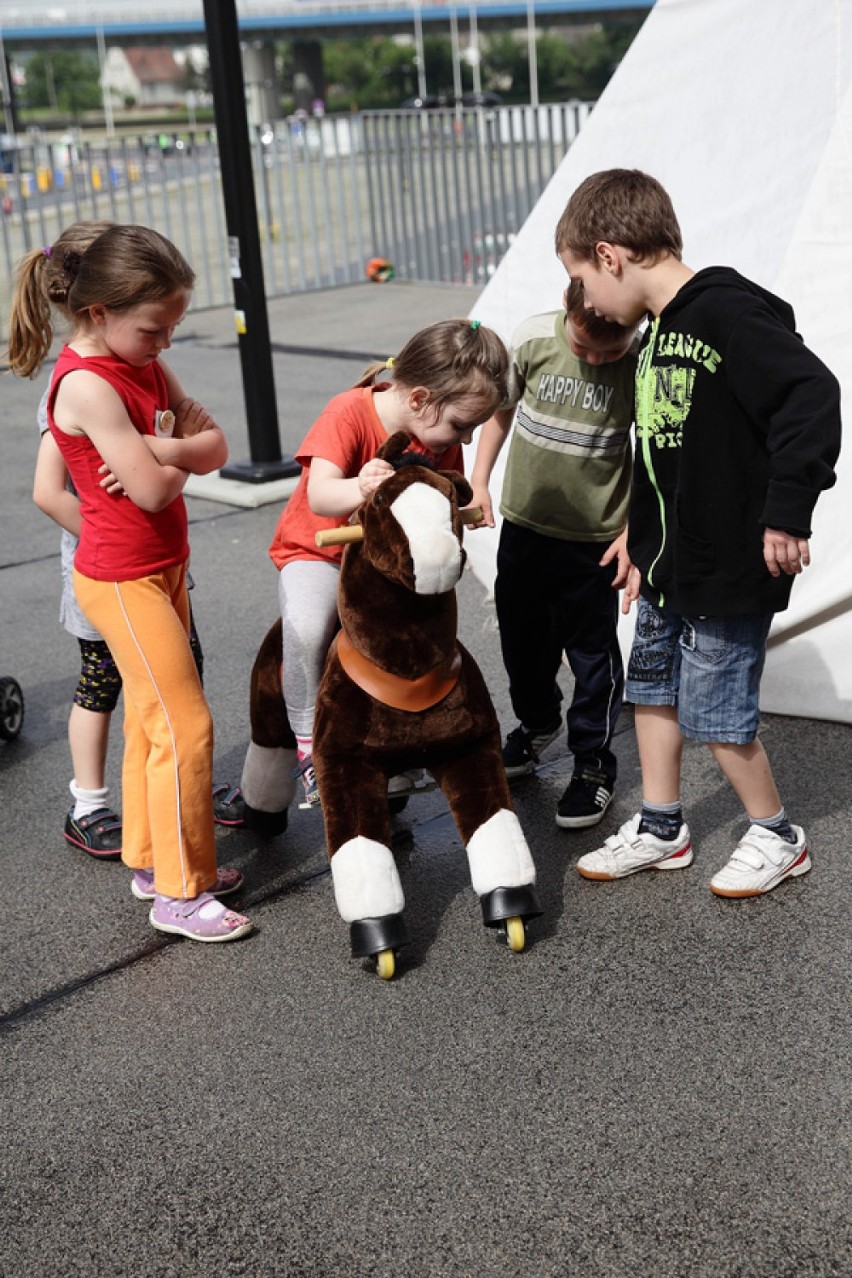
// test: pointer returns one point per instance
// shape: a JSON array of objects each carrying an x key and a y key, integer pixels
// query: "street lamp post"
[
  {"x": 454, "y": 41},
  {"x": 6, "y": 90},
  {"x": 532, "y": 53},
  {"x": 420, "y": 55},
  {"x": 106, "y": 95},
  {"x": 473, "y": 55}
]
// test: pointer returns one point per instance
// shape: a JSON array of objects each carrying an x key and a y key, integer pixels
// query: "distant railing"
[{"x": 439, "y": 194}]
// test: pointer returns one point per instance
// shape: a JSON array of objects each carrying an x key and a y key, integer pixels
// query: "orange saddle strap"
[{"x": 392, "y": 690}]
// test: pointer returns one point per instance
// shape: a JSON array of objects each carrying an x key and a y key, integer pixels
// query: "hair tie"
[
  {"x": 390, "y": 361},
  {"x": 47, "y": 250},
  {"x": 474, "y": 324}
]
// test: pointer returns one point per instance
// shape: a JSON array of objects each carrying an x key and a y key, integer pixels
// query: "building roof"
[{"x": 153, "y": 65}]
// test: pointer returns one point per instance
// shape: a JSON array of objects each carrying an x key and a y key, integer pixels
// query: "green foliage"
[
  {"x": 597, "y": 56},
  {"x": 373, "y": 72},
  {"x": 438, "y": 56},
  {"x": 376, "y": 72},
  {"x": 506, "y": 64},
  {"x": 64, "y": 79}
]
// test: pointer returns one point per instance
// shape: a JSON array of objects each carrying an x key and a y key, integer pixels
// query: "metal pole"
[
  {"x": 6, "y": 91},
  {"x": 454, "y": 40},
  {"x": 419, "y": 52},
  {"x": 106, "y": 94},
  {"x": 229, "y": 103},
  {"x": 475, "y": 57},
  {"x": 532, "y": 53}
]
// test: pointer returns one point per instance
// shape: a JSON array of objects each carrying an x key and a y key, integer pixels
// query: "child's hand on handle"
[
  {"x": 618, "y": 550},
  {"x": 482, "y": 499},
  {"x": 631, "y": 588},
  {"x": 371, "y": 475},
  {"x": 782, "y": 552}
]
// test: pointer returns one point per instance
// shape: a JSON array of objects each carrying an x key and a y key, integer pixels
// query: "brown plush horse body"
[{"x": 399, "y": 692}]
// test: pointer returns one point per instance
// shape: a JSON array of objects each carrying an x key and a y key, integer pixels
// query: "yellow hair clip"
[{"x": 390, "y": 361}]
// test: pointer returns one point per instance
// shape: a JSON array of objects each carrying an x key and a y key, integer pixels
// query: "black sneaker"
[
  {"x": 586, "y": 799},
  {"x": 524, "y": 746},
  {"x": 229, "y": 806},
  {"x": 99, "y": 833}
]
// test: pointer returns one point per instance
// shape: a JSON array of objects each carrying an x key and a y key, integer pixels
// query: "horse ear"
[
  {"x": 464, "y": 492},
  {"x": 394, "y": 446}
]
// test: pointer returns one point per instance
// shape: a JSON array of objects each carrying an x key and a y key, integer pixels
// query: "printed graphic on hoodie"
[{"x": 666, "y": 390}]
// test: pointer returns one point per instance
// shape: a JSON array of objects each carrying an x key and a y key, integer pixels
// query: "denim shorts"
[{"x": 709, "y": 667}]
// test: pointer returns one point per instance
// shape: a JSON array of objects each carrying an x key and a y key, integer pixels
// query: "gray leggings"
[{"x": 307, "y": 594}]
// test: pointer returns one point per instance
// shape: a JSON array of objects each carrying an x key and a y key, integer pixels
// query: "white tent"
[{"x": 744, "y": 113}]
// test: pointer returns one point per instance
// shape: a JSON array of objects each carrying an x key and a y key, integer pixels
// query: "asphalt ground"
[{"x": 658, "y": 1086}]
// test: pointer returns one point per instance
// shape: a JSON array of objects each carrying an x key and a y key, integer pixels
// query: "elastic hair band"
[
  {"x": 47, "y": 250},
  {"x": 390, "y": 361},
  {"x": 474, "y": 324}
]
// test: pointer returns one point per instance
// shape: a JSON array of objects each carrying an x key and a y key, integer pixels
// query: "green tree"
[
  {"x": 566, "y": 67},
  {"x": 65, "y": 80},
  {"x": 438, "y": 56},
  {"x": 556, "y": 61},
  {"x": 506, "y": 65},
  {"x": 376, "y": 72},
  {"x": 598, "y": 55}
]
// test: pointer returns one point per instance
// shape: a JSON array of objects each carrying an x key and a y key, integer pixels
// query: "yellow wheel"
[
  {"x": 385, "y": 965},
  {"x": 516, "y": 936}
]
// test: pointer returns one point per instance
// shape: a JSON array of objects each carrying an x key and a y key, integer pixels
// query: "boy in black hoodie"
[{"x": 737, "y": 433}]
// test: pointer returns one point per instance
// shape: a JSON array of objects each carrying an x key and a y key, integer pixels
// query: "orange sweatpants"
[{"x": 167, "y": 773}]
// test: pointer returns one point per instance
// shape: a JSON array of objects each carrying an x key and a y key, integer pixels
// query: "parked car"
[
  {"x": 429, "y": 102},
  {"x": 432, "y": 101},
  {"x": 481, "y": 99}
]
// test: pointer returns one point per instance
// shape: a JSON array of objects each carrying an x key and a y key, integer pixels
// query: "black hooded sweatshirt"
[{"x": 737, "y": 430}]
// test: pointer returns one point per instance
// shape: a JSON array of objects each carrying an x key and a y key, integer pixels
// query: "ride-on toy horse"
[{"x": 399, "y": 692}]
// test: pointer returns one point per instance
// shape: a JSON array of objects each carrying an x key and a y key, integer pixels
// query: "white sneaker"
[
  {"x": 405, "y": 782},
  {"x": 761, "y": 860},
  {"x": 628, "y": 852}
]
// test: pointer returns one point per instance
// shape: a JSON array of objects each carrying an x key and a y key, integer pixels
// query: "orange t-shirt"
[{"x": 348, "y": 433}]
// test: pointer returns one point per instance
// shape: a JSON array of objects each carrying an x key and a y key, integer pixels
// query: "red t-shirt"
[
  {"x": 348, "y": 433},
  {"x": 118, "y": 540}
]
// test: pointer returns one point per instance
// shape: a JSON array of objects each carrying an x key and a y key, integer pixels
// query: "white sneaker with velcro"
[
  {"x": 761, "y": 860},
  {"x": 628, "y": 852}
]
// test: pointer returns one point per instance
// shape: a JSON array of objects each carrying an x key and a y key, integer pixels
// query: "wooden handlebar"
[
  {"x": 355, "y": 532},
  {"x": 339, "y": 536}
]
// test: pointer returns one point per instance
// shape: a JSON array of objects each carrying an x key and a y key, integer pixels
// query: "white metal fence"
[{"x": 440, "y": 194}]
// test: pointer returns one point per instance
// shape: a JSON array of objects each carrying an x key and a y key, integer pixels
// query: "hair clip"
[
  {"x": 474, "y": 324},
  {"x": 47, "y": 250},
  {"x": 390, "y": 361}
]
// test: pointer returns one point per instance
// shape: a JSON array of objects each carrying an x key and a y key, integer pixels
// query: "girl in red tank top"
[{"x": 130, "y": 437}]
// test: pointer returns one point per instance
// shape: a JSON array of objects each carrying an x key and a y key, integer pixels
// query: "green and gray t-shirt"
[{"x": 569, "y": 463}]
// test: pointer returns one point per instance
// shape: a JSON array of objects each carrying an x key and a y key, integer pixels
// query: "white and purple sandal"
[{"x": 201, "y": 919}]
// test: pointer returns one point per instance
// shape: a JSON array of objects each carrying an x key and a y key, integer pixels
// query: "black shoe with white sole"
[
  {"x": 586, "y": 799},
  {"x": 524, "y": 746}
]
